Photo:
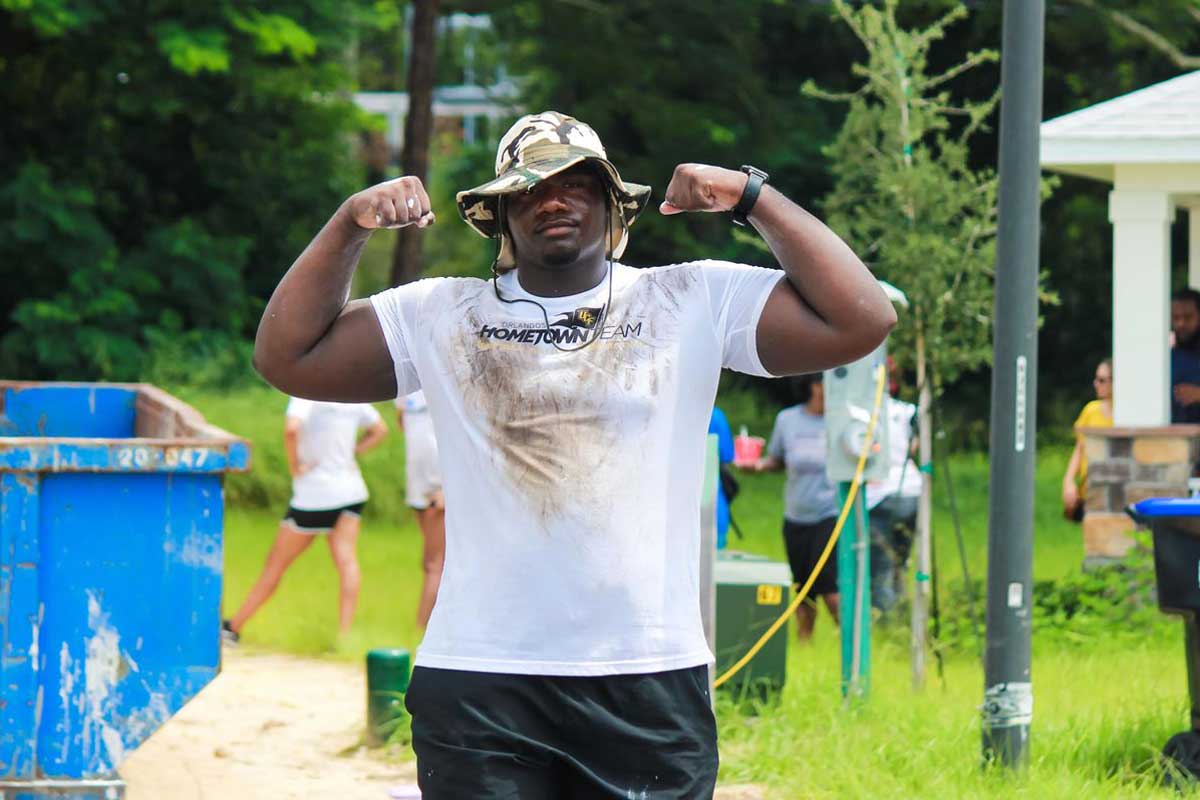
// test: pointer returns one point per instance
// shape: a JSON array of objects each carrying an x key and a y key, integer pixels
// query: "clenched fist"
[
  {"x": 700, "y": 187},
  {"x": 391, "y": 204}
]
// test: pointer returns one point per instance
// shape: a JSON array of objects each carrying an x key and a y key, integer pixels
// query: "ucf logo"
[{"x": 585, "y": 318}]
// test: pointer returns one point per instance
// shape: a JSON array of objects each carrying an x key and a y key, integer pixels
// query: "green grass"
[
  {"x": 302, "y": 616},
  {"x": 1104, "y": 706}
]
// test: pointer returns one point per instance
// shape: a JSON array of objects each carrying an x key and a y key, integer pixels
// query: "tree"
[
  {"x": 668, "y": 82},
  {"x": 1150, "y": 24},
  {"x": 908, "y": 200},
  {"x": 164, "y": 164},
  {"x": 407, "y": 260}
]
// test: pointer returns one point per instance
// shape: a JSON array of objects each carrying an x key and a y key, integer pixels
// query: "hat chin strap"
[{"x": 608, "y": 245}]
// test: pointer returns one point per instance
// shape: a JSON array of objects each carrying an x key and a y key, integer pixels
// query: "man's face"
[
  {"x": 560, "y": 220},
  {"x": 1185, "y": 321}
]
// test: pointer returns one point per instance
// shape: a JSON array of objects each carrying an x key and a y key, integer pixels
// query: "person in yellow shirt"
[{"x": 1096, "y": 414}]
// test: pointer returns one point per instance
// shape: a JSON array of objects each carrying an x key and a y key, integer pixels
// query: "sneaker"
[{"x": 228, "y": 634}]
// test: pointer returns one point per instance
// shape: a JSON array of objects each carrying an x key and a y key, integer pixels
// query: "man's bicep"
[
  {"x": 350, "y": 363},
  {"x": 792, "y": 339}
]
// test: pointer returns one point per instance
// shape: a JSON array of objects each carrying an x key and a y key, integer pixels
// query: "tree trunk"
[
  {"x": 407, "y": 259},
  {"x": 920, "y": 601}
]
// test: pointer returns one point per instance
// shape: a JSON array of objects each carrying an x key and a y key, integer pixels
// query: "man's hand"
[
  {"x": 1187, "y": 394},
  {"x": 699, "y": 187},
  {"x": 391, "y": 204}
]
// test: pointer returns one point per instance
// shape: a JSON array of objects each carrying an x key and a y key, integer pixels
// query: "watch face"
[{"x": 749, "y": 170}]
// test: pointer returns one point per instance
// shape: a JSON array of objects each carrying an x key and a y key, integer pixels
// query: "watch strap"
[{"x": 754, "y": 183}]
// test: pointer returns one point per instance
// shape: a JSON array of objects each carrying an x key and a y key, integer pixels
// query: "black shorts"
[
  {"x": 320, "y": 521},
  {"x": 804, "y": 544},
  {"x": 530, "y": 737}
]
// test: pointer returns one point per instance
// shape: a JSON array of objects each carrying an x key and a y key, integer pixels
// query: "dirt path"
[
  {"x": 269, "y": 726},
  {"x": 282, "y": 727}
]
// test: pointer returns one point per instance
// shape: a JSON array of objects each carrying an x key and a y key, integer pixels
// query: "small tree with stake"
[{"x": 914, "y": 209}]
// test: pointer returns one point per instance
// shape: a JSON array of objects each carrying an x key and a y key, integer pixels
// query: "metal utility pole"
[{"x": 1008, "y": 691}]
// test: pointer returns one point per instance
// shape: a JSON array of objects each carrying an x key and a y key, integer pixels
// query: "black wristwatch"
[{"x": 754, "y": 184}]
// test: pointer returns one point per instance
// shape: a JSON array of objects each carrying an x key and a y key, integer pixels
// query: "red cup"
[{"x": 747, "y": 450}]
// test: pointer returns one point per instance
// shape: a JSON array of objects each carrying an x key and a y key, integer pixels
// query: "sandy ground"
[
  {"x": 278, "y": 726},
  {"x": 269, "y": 726}
]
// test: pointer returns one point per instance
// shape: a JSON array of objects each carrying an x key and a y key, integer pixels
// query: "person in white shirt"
[
  {"x": 322, "y": 441},
  {"x": 571, "y": 395},
  {"x": 423, "y": 493},
  {"x": 892, "y": 507}
]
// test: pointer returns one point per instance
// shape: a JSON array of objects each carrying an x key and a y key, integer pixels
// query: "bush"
[{"x": 1087, "y": 607}]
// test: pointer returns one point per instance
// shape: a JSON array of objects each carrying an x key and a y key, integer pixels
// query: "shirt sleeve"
[
  {"x": 369, "y": 416},
  {"x": 400, "y": 314},
  {"x": 775, "y": 443},
  {"x": 299, "y": 408},
  {"x": 737, "y": 294},
  {"x": 1085, "y": 417}
]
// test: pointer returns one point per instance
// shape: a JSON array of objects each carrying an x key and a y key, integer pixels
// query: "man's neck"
[{"x": 561, "y": 281}]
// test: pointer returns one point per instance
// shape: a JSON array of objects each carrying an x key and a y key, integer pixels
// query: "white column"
[
  {"x": 1141, "y": 306},
  {"x": 1194, "y": 246}
]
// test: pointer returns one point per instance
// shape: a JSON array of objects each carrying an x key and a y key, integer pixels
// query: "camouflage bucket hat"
[{"x": 538, "y": 146}]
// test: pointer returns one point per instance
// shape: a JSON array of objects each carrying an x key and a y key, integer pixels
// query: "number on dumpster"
[{"x": 170, "y": 458}]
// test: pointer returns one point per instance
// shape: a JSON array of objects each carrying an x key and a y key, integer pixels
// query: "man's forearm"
[{"x": 311, "y": 294}]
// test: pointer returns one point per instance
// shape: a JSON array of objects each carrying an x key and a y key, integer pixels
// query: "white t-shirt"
[
  {"x": 573, "y": 479},
  {"x": 903, "y": 479},
  {"x": 328, "y": 434},
  {"x": 418, "y": 425}
]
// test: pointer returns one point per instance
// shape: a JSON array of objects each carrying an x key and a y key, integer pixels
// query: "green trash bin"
[
  {"x": 387, "y": 681},
  {"x": 752, "y": 592}
]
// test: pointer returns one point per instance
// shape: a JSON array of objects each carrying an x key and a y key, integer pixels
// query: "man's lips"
[{"x": 556, "y": 227}]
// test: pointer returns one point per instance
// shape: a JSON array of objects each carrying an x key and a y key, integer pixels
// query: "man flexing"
[{"x": 570, "y": 396}]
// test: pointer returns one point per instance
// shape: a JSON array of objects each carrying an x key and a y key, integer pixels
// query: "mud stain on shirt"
[{"x": 559, "y": 422}]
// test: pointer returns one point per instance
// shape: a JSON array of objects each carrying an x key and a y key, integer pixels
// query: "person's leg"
[
  {"x": 806, "y": 618},
  {"x": 480, "y": 734},
  {"x": 883, "y": 565},
  {"x": 648, "y": 735},
  {"x": 833, "y": 602},
  {"x": 795, "y": 542},
  {"x": 289, "y": 543},
  {"x": 343, "y": 546},
  {"x": 432, "y": 521},
  {"x": 825, "y": 586}
]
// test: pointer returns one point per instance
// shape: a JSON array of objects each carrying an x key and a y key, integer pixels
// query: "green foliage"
[
  {"x": 1106, "y": 604},
  {"x": 663, "y": 83},
  {"x": 906, "y": 196},
  {"x": 163, "y": 166}
]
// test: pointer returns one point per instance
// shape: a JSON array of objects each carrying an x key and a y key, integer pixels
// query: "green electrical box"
[{"x": 752, "y": 592}]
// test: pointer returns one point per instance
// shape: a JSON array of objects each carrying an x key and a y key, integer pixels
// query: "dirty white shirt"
[
  {"x": 328, "y": 435},
  {"x": 573, "y": 479}
]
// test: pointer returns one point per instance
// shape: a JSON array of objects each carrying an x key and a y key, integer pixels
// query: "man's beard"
[
  {"x": 561, "y": 258},
  {"x": 1191, "y": 343}
]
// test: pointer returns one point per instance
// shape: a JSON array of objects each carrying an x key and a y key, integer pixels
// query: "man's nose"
[{"x": 548, "y": 196}]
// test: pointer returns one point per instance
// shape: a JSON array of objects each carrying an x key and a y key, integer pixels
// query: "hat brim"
[{"x": 479, "y": 207}]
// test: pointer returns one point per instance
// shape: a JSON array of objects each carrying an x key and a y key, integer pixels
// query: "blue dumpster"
[
  {"x": 111, "y": 515},
  {"x": 1175, "y": 523}
]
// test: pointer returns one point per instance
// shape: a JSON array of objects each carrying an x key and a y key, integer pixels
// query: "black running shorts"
[
  {"x": 490, "y": 736},
  {"x": 804, "y": 544},
  {"x": 320, "y": 521}
]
